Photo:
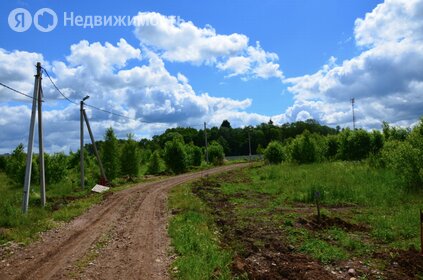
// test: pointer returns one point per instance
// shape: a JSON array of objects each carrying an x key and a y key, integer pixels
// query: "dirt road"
[{"x": 124, "y": 237}]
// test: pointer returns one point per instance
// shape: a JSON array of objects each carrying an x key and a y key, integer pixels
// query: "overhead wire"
[{"x": 16, "y": 91}]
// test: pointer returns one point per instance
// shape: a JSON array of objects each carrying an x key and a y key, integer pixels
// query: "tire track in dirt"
[{"x": 137, "y": 218}]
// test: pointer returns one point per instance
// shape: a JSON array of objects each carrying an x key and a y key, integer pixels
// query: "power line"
[
  {"x": 61, "y": 93},
  {"x": 97, "y": 108},
  {"x": 17, "y": 91}
]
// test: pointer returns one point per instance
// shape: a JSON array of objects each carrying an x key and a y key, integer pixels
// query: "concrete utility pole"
[
  {"x": 41, "y": 142},
  {"x": 28, "y": 170},
  {"x": 205, "y": 139},
  {"x": 81, "y": 142},
  {"x": 352, "y": 105},
  {"x": 103, "y": 175}
]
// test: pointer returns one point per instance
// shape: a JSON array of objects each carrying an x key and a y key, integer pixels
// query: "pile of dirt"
[
  {"x": 262, "y": 252},
  {"x": 314, "y": 223}
]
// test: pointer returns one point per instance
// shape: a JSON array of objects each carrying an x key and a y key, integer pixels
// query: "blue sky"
[{"x": 318, "y": 54}]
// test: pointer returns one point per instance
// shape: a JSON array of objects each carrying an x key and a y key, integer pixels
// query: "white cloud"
[
  {"x": 181, "y": 41},
  {"x": 386, "y": 78},
  {"x": 255, "y": 63},
  {"x": 147, "y": 92},
  {"x": 15, "y": 71}
]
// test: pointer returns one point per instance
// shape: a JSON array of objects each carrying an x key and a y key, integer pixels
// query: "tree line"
[{"x": 178, "y": 150}]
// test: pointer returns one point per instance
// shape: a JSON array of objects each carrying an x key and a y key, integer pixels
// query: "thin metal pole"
[
  {"x": 81, "y": 148},
  {"x": 249, "y": 143},
  {"x": 27, "y": 183},
  {"x": 41, "y": 140},
  {"x": 103, "y": 175},
  {"x": 205, "y": 139}
]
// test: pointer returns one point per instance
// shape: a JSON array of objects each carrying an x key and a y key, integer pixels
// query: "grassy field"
[
  {"x": 195, "y": 238},
  {"x": 369, "y": 222},
  {"x": 65, "y": 201}
]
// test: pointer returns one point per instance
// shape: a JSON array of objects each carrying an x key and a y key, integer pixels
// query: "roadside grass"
[
  {"x": 64, "y": 202},
  {"x": 195, "y": 239},
  {"x": 383, "y": 214}
]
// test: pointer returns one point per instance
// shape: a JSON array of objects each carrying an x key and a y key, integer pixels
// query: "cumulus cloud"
[
  {"x": 386, "y": 78},
  {"x": 181, "y": 41},
  {"x": 17, "y": 77},
  {"x": 146, "y": 93}
]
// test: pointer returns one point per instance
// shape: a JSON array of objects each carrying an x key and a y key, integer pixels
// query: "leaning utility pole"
[
  {"x": 27, "y": 183},
  {"x": 103, "y": 175},
  {"x": 353, "y": 113},
  {"x": 205, "y": 139},
  {"x": 83, "y": 117}
]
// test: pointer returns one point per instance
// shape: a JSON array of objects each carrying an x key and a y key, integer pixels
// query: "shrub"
[
  {"x": 406, "y": 160},
  {"x": 332, "y": 147},
  {"x": 406, "y": 157},
  {"x": 3, "y": 163},
  {"x": 15, "y": 168},
  {"x": 216, "y": 153},
  {"x": 55, "y": 167},
  {"x": 354, "y": 145},
  {"x": 197, "y": 156},
  {"x": 175, "y": 156},
  {"x": 305, "y": 148},
  {"x": 274, "y": 154}
]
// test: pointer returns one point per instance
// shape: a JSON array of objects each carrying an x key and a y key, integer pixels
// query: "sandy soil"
[{"x": 124, "y": 237}]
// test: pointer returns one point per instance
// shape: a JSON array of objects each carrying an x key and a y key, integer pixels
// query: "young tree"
[
  {"x": 130, "y": 159},
  {"x": 56, "y": 167},
  {"x": 155, "y": 164},
  {"x": 216, "y": 153},
  {"x": 15, "y": 167},
  {"x": 110, "y": 154},
  {"x": 274, "y": 154},
  {"x": 175, "y": 156}
]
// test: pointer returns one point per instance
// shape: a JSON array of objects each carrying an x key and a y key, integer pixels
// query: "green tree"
[
  {"x": 56, "y": 167},
  {"x": 304, "y": 149},
  {"x": 216, "y": 153},
  {"x": 15, "y": 167},
  {"x": 3, "y": 163},
  {"x": 130, "y": 158},
  {"x": 354, "y": 145},
  {"x": 175, "y": 156},
  {"x": 155, "y": 164},
  {"x": 110, "y": 154},
  {"x": 274, "y": 153}
]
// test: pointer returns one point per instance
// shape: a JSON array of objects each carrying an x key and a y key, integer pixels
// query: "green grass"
[
  {"x": 352, "y": 191},
  {"x": 195, "y": 239},
  {"x": 64, "y": 202}
]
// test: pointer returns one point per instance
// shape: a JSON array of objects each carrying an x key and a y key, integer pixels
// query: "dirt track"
[{"x": 124, "y": 237}]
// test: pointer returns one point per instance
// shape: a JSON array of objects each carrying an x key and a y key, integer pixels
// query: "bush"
[
  {"x": 15, "y": 168},
  {"x": 274, "y": 154},
  {"x": 3, "y": 163},
  {"x": 333, "y": 146},
  {"x": 406, "y": 160},
  {"x": 354, "y": 145},
  {"x": 155, "y": 164},
  {"x": 175, "y": 156},
  {"x": 196, "y": 156},
  {"x": 406, "y": 157},
  {"x": 55, "y": 167},
  {"x": 305, "y": 149},
  {"x": 216, "y": 153}
]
